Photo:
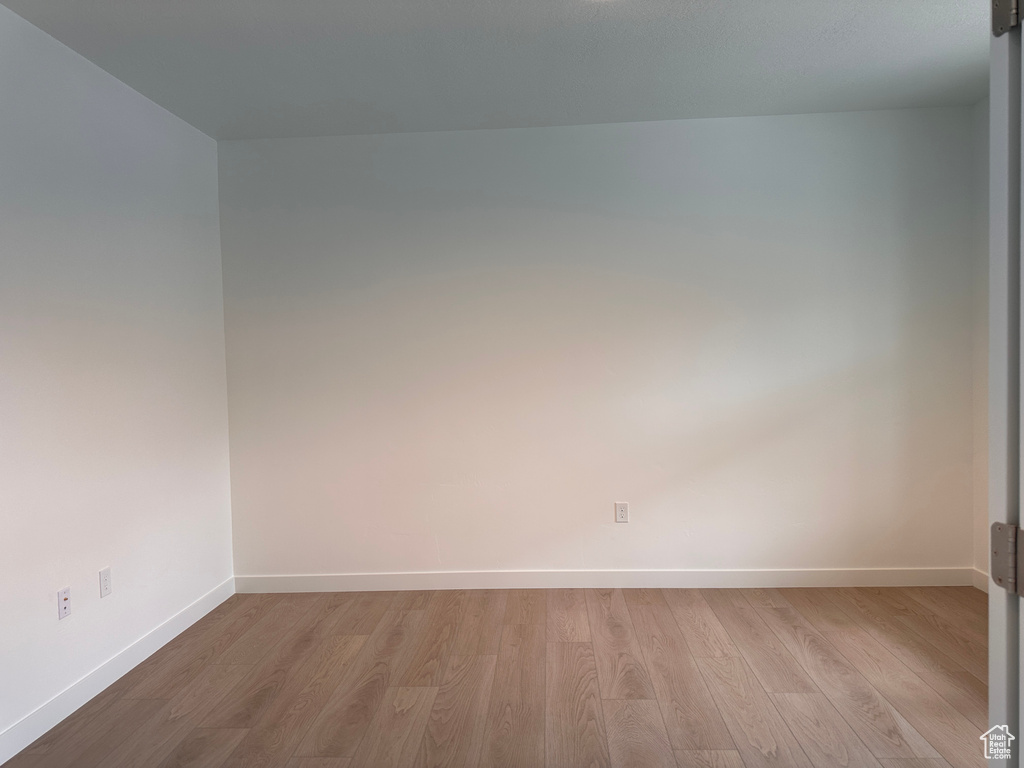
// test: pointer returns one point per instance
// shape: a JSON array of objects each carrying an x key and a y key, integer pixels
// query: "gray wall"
[
  {"x": 454, "y": 351},
  {"x": 113, "y": 415}
]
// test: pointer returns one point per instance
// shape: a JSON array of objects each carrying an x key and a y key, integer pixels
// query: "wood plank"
[
  {"x": 709, "y": 759},
  {"x": 760, "y": 734},
  {"x": 196, "y": 650},
  {"x": 826, "y": 738},
  {"x": 968, "y": 646},
  {"x": 643, "y": 596},
  {"x": 150, "y": 744},
  {"x": 364, "y": 613},
  {"x": 343, "y": 721},
  {"x": 880, "y": 726},
  {"x": 620, "y": 667},
  {"x": 765, "y": 598},
  {"x": 428, "y": 661},
  {"x": 919, "y": 762},
  {"x": 257, "y": 691},
  {"x": 525, "y": 606},
  {"x": 819, "y": 611},
  {"x": 91, "y": 745},
  {"x": 204, "y": 748},
  {"x": 567, "y": 616},
  {"x": 514, "y": 732},
  {"x": 84, "y": 717},
  {"x": 280, "y": 729},
  {"x": 319, "y": 762},
  {"x": 691, "y": 716},
  {"x": 704, "y": 634},
  {"x": 480, "y": 628},
  {"x": 636, "y": 735},
  {"x": 575, "y": 735},
  {"x": 252, "y": 645},
  {"x": 954, "y": 683},
  {"x": 947, "y": 731},
  {"x": 718, "y": 758},
  {"x": 769, "y": 659},
  {"x": 942, "y": 602},
  {"x": 455, "y": 730},
  {"x": 396, "y": 731},
  {"x": 411, "y": 600}
]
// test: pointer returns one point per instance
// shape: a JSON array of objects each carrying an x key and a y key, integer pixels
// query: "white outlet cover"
[
  {"x": 106, "y": 587},
  {"x": 63, "y": 602},
  {"x": 621, "y": 512}
]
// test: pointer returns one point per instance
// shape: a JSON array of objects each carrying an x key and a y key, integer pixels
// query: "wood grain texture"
[
  {"x": 644, "y": 596},
  {"x": 691, "y": 716},
  {"x": 514, "y": 731},
  {"x": 943, "y": 672},
  {"x": 396, "y": 730},
  {"x": 182, "y": 659},
  {"x": 567, "y": 616},
  {"x": 455, "y": 729},
  {"x": 949, "y": 636},
  {"x": 765, "y": 598},
  {"x": 155, "y": 740},
  {"x": 264, "y": 635},
  {"x": 948, "y": 732},
  {"x": 363, "y": 612},
  {"x": 411, "y": 600},
  {"x": 526, "y": 606},
  {"x": 636, "y": 735},
  {"x": 826, "y": 738},
  {"x": 875, "y": 721},
  {"x": 90, "y": 746},
  {"x": 770, "y": 660},
  {"x": 620, "y": 667},
  {"x": 321, "y": 683},
  {"x": 575, "y": 733},
  {"x": 943, "y": 602},
  {"x": 704, "y": 634},
  {"x": 760, "y": 734},
  {"x": 436, "y": 638},
  {"x": 728, "y": 758},
  {"x": 277, "y": 733},
  {"x": 482, "y": 618},
  {"x": 343, "y": 721},
  {"x": 204, "y": 748}
]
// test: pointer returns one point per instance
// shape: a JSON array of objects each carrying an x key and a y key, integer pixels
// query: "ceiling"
[{"x": 278, "y": 68}]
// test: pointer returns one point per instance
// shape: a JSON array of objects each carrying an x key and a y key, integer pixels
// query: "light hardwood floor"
[{"x": 889, "y": 678}]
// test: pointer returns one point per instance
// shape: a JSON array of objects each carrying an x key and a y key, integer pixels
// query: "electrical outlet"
[
  {"x": 105, "y": 585},
  {"x": 621, "y": 512},
  {"x": 63, "y": 602}
]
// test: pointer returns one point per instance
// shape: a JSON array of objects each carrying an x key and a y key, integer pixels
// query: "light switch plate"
[
  {"x": 63, "y": 602},
  {"x": 105, "y": 586}
]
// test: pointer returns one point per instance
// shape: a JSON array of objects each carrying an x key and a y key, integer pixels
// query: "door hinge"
[
  {"x": 1004, "y": 16},
  {"x": 1004, "y": 556}
]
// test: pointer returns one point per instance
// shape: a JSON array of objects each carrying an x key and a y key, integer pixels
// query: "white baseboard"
[
  {"x": 980, "y": 580},
  {"x": 371, "y": 582},
  {"x": 36, "y": 723}
]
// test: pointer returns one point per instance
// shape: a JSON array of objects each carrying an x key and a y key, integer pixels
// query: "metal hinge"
[
  {"x": 1004, "y": 556},
  {"x": 1004, "y": 16}
]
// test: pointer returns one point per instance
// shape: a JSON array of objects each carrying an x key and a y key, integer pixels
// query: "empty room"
[{"x": 510, "y": 384}]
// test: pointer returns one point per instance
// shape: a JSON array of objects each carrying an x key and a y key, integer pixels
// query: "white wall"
[
  {"x": 979, "y": 123},
  {"x": 454, "y": 351},
  {"x": 113, "y": 415}
]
